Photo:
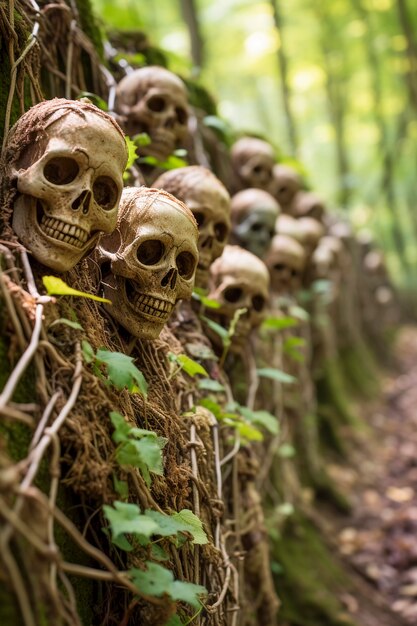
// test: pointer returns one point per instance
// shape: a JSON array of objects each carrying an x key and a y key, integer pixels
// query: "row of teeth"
[
  {"x": 152, "y": 306},
  {"x": 68, "y": 233}
]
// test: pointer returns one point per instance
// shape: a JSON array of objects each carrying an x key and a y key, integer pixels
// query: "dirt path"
[{"x": 380, "y": 539}]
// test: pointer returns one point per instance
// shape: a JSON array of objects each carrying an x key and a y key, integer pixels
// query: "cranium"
[
  {"x": 239, "y": 281},
  {"x": 285, "y": 261},
  {"x": 209, "y": 202},
  {"x": 286, "y": 183},
  {"x": 148, "y": 263},
  {"x": 63, "y": 173},
  {"x": 254, "y": 213},
  {"x": 307, "y": 204},
  {"x": 311, "y": 232},
  {"x": 153, "y": 100},
  {"x": 253, "y": 160}
]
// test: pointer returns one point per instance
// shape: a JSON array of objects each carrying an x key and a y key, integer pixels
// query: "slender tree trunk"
[
  {"x": 411, "y": 51},
  {"x": 190, "y": 14},
  {"x": 285, "y": 88}
]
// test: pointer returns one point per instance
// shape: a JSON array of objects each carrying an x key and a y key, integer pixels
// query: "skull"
[
  {"x": 286, "y": 262},
  {"x": 209, "y": 202},
  {"x": 254, "y": 213},
  {"x": 286, "y": 183},
  {"x": 66, "y": 162},
  {"x": 307, "y": 204},
  {"x": 153, "y": 100},
  {"x": 311, "y": 233},
  {"x": 148, "y": 263},
  {"x": 239, "y": 281},
  {"x": 253, "y": 160}
]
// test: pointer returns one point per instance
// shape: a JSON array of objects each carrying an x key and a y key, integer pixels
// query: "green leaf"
[
  {"x": 199, "y": 295},
  {"x": 94, "y": 99},
  {"x": 66, "y": 322},
  {"x": 276, "y": 374},
  {"x": 145, "y": 454},
  {"x": 191, "y": 523},
  {"x": 286, "y": 451},
  {"x": 208, "y": 384},
  {"x": 299, "y": 313},
  {"x": 264, "y": 418},
  {"x": 212, "y": 406},
  {"x": 157, "y": 581},
  {"x": 171, "y": 163},
  {"x": 158, "y": 553},
  {"x": 87, "y": 350},
  {"x": 142, "y": 139},
  {"x": 127, "y": 518},
  {"x": 121, "y": 487},
  {"x": 57, "y": 287},
  {"x": 279, "y": 323},
  {"x": 132, "y": 154},
  {"x": 222, "y": 332},
  {"x": 201, "y": 351},
  {"x": 246, "y": 431},
  {"x": 122, "y": 372},
  {"x": 187, "y": 592},
  {"x": 190, "y": 367}
]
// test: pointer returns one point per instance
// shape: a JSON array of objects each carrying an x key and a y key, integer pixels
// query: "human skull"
[
  {"x": 63, "y": 168},
  {"x": 311, "y": 233},
  {"x": 239, "y": 281},
  {"x": 153, "y": 100},
  {"x": 148, "y": 263},
  {"x": 307, "y": 204},
  {"x": 209, "y": 202},
  {"x": 254, "y": 213},
  {"x": 286, "y": 183},
  {"x": 285, "y": 261},
  {"x": 253, "y": 160}
]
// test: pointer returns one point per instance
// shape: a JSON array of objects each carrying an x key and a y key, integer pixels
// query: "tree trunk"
[{"x": 190, "y": 15}]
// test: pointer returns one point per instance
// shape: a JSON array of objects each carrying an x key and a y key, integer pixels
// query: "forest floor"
[{"x": 379, "y": 539}]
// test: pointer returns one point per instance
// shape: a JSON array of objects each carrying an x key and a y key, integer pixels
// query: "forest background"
[{"x": 331, "y": 84}]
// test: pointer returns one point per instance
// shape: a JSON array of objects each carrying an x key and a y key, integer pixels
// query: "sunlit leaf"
[
  {"x": 121, "y": 371},
  {"x": 57, "y": 287},
  {"x": 276, "y": 374}
]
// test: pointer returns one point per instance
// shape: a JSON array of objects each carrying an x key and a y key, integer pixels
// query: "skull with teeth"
[
  {"x": 148, "y": 263},
  {"x": 286, "y": 183},
  {"x": 254, "y": 213},
  {"x": 63, "y": 177},
  {"x": 239, "y": 281},
  {"x": 209, "y": 201},
  {"x": 285, "y": 261},
  {"x": 153, "y": 100},
  {"x": 253, "y": 160}
]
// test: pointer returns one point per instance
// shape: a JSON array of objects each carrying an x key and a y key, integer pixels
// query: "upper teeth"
[
  {"x": 68, "y": 233},
  {"x": 152, "y": 306}
]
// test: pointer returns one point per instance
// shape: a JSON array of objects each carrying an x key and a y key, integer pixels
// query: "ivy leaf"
[
  {"x": 279, "y": 323},
  {"x": 66, "y": 322},
  {"x": 190, "y": 367},
  {"x": 208, "y": 384},
  {"x": 263, "y": 418},
  {"x": 157, "y": 580},
  {"x": 212, "y": 406},
  {"x": 246, "y": 431},
  {"x": 276, "y": 374},
  {"x": 122, "y": 372},
  {"x": 87, "y": 350},
  {"x": 158, "y": 553},
  {"x": 127, "y": 518},
  {"x": 57, "y": 287},
  {"x": 192, "y": 524},
  {"x": 132, "y": 154}
]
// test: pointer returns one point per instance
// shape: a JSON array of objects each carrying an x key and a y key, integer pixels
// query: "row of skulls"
[{"x": 63, "y": 197}]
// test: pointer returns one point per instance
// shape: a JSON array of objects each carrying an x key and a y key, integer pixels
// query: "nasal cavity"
[
  {"x": 170, "y": 279},
  {"x": 82, "y": 202}
]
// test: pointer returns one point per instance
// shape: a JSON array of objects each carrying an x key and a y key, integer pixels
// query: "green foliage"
[
  {"x": 132, "y": 152},
  {"x": 138, "y": 447},
  {"x": 276, "y": 374},
  {"x": 200, "y": 295},
  {"x": 171, "y": 163},
  {"x": 94, "y": 99},
  {"x": 157, "y": 581},
  {"x": 121, "y": 371},
  {"x": 57, "y": 287},
  {"x": 291, "y": 345},
  {"x": 208, "y": 384},
  {"x": 66, "y": 322},
  {"x": 189, "y": 366},
  {"x": 279, "y": 323}
]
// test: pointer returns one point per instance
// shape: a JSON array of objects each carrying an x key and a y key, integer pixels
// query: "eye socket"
[
  {"x": 186, "y": 264},
  {"x": 258, "y": 302},
  {"x": 232, "y": 294},
  {"x": 61, "y": 170},
  {"x": 258, "y": 169},
  {"x": 282, "y": 189},
  {"x": 279, "y": 267},
  {"x": 220, "y": 230},
  {"x": 156, "y": 104},
  {"x": 182, "y": 115},
  {"x": 294, "y": 273},
  {"x": 105, "y": 192},
  {"x": 256, "y": 227},
  {"x": 199, "y": 217},
  {"x": 150, "y": 252}
]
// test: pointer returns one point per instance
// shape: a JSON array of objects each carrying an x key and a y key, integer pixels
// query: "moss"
[
  {"x": 331, "y": 391},
  {"x": 309, "y": 578},
  {"x": 89, "y": 25}
]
